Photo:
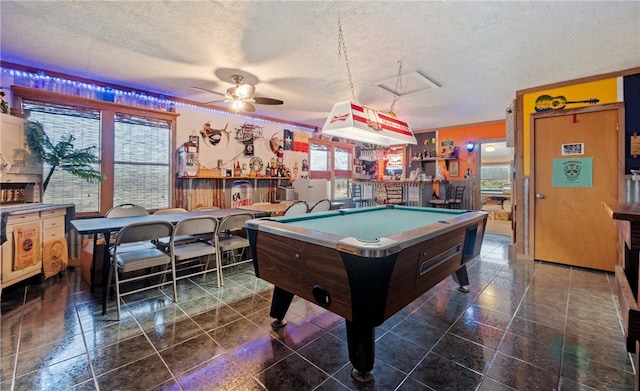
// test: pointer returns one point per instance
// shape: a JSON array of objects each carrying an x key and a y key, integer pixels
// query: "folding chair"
[
  {"x": 144, "y": 261},
  {"x": 296, "y": 209},
  {"x": 228, "y": 241},
  {"x": 321, "y": 206},
  {"x": 188, "y": 256}
]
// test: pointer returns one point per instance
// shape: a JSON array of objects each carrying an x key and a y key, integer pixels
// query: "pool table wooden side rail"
[{"x": 297, "y": 266}]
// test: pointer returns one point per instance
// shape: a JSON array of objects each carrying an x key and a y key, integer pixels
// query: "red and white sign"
[{"x": 360, "y": 123}]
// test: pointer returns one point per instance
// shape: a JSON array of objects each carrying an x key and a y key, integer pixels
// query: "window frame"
[
  {"x": 332, "y": 174},
  {"x": 108, "y": 112}
]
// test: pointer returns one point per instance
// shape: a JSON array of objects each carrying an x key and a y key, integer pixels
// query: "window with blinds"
[
  {"x": 141, "y": 161},
  {"x": 141, "y": 156},
  {"x": 84, "y": 125}
]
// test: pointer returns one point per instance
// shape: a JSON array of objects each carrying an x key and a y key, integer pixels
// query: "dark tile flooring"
[{"x": 522, "y": 326}]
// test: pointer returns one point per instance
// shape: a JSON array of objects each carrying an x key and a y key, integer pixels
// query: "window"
[
  {"x": 141, "y": 165},
  {"x": 332, "y": 161},
  {"x": 84, "y": 124},
  {"x": 134, "y": 146},
  {"x": 494, "y": 177}
]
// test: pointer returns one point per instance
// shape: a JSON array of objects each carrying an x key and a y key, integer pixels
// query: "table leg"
[
  {"x": 636, "y": 364},
  {"x": 280, "y": 303},
  {"x": 92, "y": 272},
  {"x": 361, "y": 343},
  {"x": 462, "y": 278},
  {"x": 106, "y": 264}
]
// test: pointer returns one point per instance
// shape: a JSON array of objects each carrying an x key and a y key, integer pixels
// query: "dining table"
[
  {"x": 273, "y": 208},
  {"x": 107, "y": 226}
]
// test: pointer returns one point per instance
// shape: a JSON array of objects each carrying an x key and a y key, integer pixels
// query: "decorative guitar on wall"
[{"x": 548, "y": 102}]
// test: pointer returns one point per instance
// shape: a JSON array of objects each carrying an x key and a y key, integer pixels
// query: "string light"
[{"x": 133, "y": 98}]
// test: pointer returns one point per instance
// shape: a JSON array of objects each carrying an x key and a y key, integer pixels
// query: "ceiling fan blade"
[
  {"x": 267, "y": 101},
  {"x": 245, "y": 91},
  {"x": 214, "y": 101},
  {"x": 248, "y": 107},
  {"x": 207, "y": 90}
]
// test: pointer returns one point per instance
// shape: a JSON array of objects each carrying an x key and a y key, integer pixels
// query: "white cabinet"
[
  {"x": 15, "y": 148},
  {"x": 12, "y": 273},
  {"x": 48, "y": 222}
]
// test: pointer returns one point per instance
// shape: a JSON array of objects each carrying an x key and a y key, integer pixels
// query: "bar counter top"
[{"x": 629, "y": 211}]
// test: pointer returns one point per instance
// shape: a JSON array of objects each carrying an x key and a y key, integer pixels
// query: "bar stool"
[{"x": 357, "y": 198}]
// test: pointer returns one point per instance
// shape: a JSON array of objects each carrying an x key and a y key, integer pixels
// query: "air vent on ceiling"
[{"x": 411, "y": 83}]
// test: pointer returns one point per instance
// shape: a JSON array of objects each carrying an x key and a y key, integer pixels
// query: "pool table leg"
[
  {"x": 279, "y": 306},
  {"x": 462, "y": 278},
  {"x": 360, "y": 340}
]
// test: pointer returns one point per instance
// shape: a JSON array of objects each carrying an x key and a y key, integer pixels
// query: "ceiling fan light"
[{"x": 245, "y": 91}]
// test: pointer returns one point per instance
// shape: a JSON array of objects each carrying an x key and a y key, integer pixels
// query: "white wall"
[{"x": 229, "y": 149}]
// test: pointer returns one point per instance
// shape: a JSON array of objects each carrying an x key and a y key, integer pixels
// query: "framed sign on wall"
[{"x": 453, "y": 168}]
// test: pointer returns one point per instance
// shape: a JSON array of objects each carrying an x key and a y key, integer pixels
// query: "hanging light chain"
[
  {"x": 398, "y": 84},
  {"x": 342, "y": 48}
]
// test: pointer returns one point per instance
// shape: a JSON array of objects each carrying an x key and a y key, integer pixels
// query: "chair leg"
[
  {"x": 173, "y": 280},
  {"x": 107, "y": 289},
  {"x": 219, "y": 266},
  {"x": 117, "y": 284}
]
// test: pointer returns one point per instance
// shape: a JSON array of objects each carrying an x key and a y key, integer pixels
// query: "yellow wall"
[{"x": 606, "y": 91}]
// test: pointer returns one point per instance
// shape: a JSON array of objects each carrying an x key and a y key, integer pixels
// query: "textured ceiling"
[{"x": 480, "y": 53}]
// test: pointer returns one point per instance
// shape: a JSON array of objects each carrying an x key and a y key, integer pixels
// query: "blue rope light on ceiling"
[{"x": 133, "y": 98}]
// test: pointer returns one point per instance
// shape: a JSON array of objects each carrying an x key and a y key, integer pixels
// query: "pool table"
[{"x": 364, "y": 264}]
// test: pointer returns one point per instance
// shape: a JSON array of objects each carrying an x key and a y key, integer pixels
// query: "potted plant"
[{"x": 62, "y": 155}]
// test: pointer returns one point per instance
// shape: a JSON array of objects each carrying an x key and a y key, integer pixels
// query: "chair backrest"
[
  {"x": 298, "y": 208},
  {"x": 126, "y": 210},
  {"x": 196, "y": 225},
  {"x": 234, "y": 222},
  {"x": 321, "y": 206},
  {"x": 169, "y": 210},
  {"x": 207, "y": 208},
  {"x": 144, "y": 231},
  {"x": 356, "y": 191},
  {"x": 459, "y": 193},
  {"x": 450, "y": 193}
]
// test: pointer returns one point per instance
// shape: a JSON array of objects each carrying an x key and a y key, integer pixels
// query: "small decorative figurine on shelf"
[
  {"x": 280, "y": 154},
  {"x": 440, "y": 177},
  {"x": 4, "y": 104},
  {"x": 237, "y": 171}
]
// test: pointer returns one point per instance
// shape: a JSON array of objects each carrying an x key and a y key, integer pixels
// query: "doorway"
[
  {"x": 576, "y": 161},
  {"x": 495, "y": 174}
]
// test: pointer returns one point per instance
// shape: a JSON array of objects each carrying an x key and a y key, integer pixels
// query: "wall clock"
[{"x": 256, "y": 164}]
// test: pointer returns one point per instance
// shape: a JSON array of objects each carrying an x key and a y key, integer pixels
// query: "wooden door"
[{"x": 576, "y": 167}]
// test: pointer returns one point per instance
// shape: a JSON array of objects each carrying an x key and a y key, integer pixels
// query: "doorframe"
[
  {"x": 530, "y": 221},
  {"x": 477, "y": 166}
]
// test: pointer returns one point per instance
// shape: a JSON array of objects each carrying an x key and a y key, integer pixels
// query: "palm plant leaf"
[{"x": 62, "y": 155}]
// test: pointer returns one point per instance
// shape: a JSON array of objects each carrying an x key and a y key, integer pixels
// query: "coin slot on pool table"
[{"x": 321, "y": 296}]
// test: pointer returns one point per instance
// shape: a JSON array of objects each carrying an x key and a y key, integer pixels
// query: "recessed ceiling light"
[{"x": 490, "y": 148}]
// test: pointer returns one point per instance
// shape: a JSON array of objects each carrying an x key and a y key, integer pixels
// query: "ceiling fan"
[{"x": 241, "y": 96}]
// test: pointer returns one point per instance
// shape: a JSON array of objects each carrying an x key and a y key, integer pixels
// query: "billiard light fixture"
[
  {"x": 359, "y": 123},
  {"x": 470, "y": 146}
]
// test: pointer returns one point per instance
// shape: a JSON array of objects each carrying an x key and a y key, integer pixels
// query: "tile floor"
[{"x": 523, "y": 326}]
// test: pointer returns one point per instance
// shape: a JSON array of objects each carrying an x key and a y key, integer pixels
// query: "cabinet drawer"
[
  {"x": 45, "y": 214},
  {"x": 52, "y": 233},
  {"x": 53, "y": 222},
  {"x": 22, "y": 217}
]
